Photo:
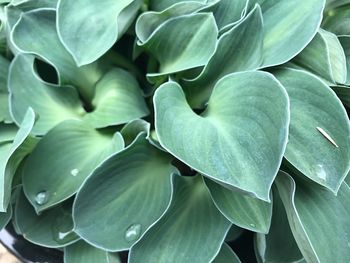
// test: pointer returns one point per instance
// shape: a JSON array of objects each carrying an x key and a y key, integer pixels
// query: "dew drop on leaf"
[
  {"x": 74, "y": 172},
  {"x": 41, "y": 197},
  {"x": 133, "y": 233},
  {"x": 62, "y": 229}
]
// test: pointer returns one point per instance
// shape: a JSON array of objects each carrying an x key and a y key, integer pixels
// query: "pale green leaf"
[
  {"x": 325, "y": 57},
  {"x": 52, "y": 104},
  {"x": 242, "y": 210},
  {"x": 319, "y": 134},
  {"x": 89, "y": 41},
  {"x": 191, "y": 230},
  {"x": 52, "y": 228},
  {"x": 226, "y": 255},
  {"x": 63, "y": 159},
  {"x": 238, "y": 144},
  {"x": 229, "y": 12},
  {"x": 190, "y": 44},
  {"x": 239, "y": 49},
  {"x": 81, "y": 252},
  {"x": 136, "y": 180},
  {"x": 316, "y": 218},
  {"x": 117, "y": 100},
  {"x": 11, "y": 156},
  {"x": 160, "y": 5}
]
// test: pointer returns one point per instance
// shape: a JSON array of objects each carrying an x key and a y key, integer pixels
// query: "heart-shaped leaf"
[
  {"x": 226, "y": 255},
  {"x": 191, "y": 230},
  {"x": 279, "y": 244},
  {"x": 288, "y": 27},
  {"x": 11, "y": 156},
  {"x": 117, "y": 100},
  {"x": 319, "y": 134},
  {"x": 325, "y": 57},
  {"x": 108, "y": 20},
  {"x": 239, "y": 49},
  {"x": 190, "y": 45},
  {"x": 52, "y": 104},
  {"x": 136, "y": 179},
  {"x": 36, "y": 33},
  {"x": 63, "y": 159},
  {"x": 52, "y": 228},
  {"x": 317, "y": 217},
  {"x": 81, "y": 252},
  {"x": 238, "y": 144},
  {"x": 242, "y": 210}
]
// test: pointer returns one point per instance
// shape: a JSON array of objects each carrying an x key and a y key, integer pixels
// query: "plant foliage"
[{"x": 170, "y": 129}]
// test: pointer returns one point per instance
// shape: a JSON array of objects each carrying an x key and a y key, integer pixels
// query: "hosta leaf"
[
  {"x": 63, "y": 159},
  {"x": 338, "y": 21},
  {"x": 228, "y": 12},
  {"x": 53, "y": 104},
  {"x": 228, "y": 141},
  {"x": 190, "y": 45},
  {"x": 336, "y": 3},
  {"x": 279, "y": 244},
  {"x": 159, "y": 5},
  {"x": 242, "y": 210},
  {"x": 11, "y": 156},
  {"x": 89, "y": 41},
  {"x": 319, "y": 134},
  {"x": 4, "y": 105},
  {"x": 148, "y": 22},
  {"x": 239, "y": 49},
  {"x": 325, "y": 57},
  {"x": 36, "y": 33},
  {"x": 288, "y": 26},
  {"x": 226, "y": 255},
  {"x": 52, "y": 228},
  {"x": 137, "y": 180},
  {"x": 5, "y": 217},
  {"x": 132, "y": 129},
  {"x": 81, "y": 252},
  {"x": 234, "y": 233},
  {"x": 317, "y": 217},
  {"x": 191, "y": 230},
  {"x": 117, "y": 100},
  {"x": 345, "y": 42},
  {"x": 343, "y": 92},
  {"x": 7, "y": 132}
]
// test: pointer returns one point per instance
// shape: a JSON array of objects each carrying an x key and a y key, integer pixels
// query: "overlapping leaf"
[
  {"x": 136, "y": 180},
  {"x": 63, "y": 159},
  {"x": 238, "y": 144},
  {"x": 4, "y": 104},
  {"x": 226, "y": 255},
  {"x": 317, "y": 217},
  {"x": 191, "y": 230},
  {"x": 319, "y": 133}
]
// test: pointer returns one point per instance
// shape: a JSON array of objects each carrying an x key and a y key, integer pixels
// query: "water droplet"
[
  {"x": 133, "y": 232},
  {"x": 74, "y": 172},
  {"x": 321, "y": 173},
  {"x": 252, "y": 225},
  {"x": 41, "y": 197},
  {"x": 62, "y": 229}
]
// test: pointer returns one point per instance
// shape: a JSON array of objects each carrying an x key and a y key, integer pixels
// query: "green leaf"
[
  {"x": 229, "y": 12},
  {"x": 132, "y": 129},
  {"x": 234, "y": 233},
  {"x": 343, "y": 92},
  {"x": 160, "y": 5},
  {"x": 237, "y": 144},
  {"x": 316, "y": 218},
  {"x": 11, "y": 156},
  {"x": 53, "y": 104},
  {"x": 226, "y": 255},
  {"x": 279, "y": 244},
  {"x": 288, "y": 26},
  {"x": 52, "y": 228},
  {"x": 247, "y": 37},
  {"x": 190, "y": 44},
  {"x": 117, "y": 100},
  {"x": 319, "y": 134},
  {"x": 345, "y": 42},
  {"x": 63, "y": 159},
  {"x": 4, "y": 104},
  {"x": 242, "y": 210},
  {"x": 107, "y": 23},
  {"x": 36, "y": 33},
  {"x": 338, "y": 20},
  {"x": 81, "y": 252},
  {"x": 5, "y": 217},
  {"x": 191, "y": 230},
  {"x": 136, "y": 180},
  {"x": 325, "y": 57},
  {"x": 7, "y": 132}
]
